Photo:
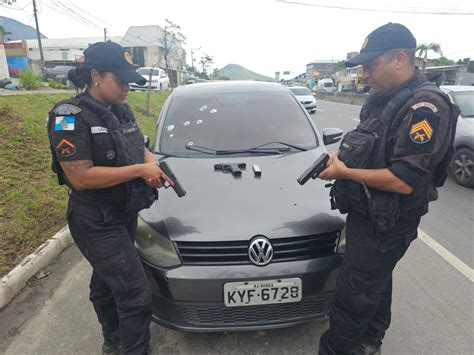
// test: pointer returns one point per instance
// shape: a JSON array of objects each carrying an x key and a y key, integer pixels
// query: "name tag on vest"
[{"x": 97, "y": 130}]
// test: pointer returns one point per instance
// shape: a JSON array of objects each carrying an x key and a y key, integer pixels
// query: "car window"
[
  {"x": 465, "y": 101},
  {"x": 300, "y": 91},
  {"x": 224, "y": 121}
]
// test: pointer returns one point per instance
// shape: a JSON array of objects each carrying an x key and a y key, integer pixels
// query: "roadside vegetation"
[{"x": 32, "y": 204}]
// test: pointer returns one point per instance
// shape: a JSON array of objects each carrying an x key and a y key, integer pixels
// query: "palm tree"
[{"x": 423, "y": 49}]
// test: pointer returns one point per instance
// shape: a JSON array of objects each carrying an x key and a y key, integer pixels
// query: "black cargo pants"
[
  {"x": 119, "y": 290},
  {"x": 361, "y": 311}
]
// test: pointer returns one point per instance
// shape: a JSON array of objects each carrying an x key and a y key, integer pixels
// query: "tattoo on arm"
[{"x": 75, "y": 166}]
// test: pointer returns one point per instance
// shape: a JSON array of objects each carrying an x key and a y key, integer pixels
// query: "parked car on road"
[
  {"x": 159, "y": 79},
  {"x": 59, "y": 72},
  {"x": 462, "y": 163},
  {"x": 305, "y": 97},
  {"x": 244, "y": 251}
]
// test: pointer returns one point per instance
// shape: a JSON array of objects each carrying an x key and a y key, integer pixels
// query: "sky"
[{"x": 262, "y": 35}]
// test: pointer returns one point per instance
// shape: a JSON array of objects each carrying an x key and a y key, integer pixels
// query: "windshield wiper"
[
  {"x": 256, "y": 150},
  {"x": 282, "y": 143},
  {"x": 201, "y": 149}
]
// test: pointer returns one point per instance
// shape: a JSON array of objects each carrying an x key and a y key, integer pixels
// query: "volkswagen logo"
[{"x": 260, "y": 251}]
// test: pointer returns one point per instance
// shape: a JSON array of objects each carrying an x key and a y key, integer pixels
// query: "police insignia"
[
  {"x": 425, "y": 104},
  {"x": 421, "y": 132},
  {"x": 110, "y": 154},
  {"x": 65, "y": 148},
  {"x": 66, "y": 109}
]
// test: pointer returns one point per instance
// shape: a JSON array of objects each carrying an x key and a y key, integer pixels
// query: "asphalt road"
[{"x": 432, "y": 303}]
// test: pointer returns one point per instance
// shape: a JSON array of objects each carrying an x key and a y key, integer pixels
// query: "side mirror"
[
  {"x": 147, "y": 141},
  {"x": 332, "y": 135}
]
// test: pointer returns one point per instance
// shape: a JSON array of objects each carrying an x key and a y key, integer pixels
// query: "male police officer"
[{"x": 386, "y": 171}]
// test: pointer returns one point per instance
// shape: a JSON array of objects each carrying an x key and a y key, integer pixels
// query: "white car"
[
  {"x": 159, "y": 79},
  {"x": 462, "y": 163},
  {"x": 305, "y": 97}
]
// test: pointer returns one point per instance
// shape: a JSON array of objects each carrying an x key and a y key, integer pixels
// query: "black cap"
[
  {"x": 112, "y": 57},
  {"x": 386, "y": 37}
]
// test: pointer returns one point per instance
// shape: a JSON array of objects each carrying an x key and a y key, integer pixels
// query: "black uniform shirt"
[
  {"x": 84, "y": 136},
  {"x": 420, "y": 134}
]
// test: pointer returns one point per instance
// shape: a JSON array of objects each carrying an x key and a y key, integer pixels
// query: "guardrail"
[{"x": 351, "y": 98}]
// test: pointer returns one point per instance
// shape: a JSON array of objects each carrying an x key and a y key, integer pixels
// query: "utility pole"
[
  {"x": 35, "y": 14},
  {"x": 105, "y": 35}
]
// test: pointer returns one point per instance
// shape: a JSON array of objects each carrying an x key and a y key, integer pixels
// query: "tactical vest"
[
  {"x": 129, "y": 146},
  {"x": 365, "y": 148}
]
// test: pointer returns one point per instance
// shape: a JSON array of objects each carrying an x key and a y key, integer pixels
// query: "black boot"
[{"x": 111, "y": 346}]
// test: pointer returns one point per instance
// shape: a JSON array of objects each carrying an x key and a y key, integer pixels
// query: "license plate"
[{"x": 250, "y": 293}]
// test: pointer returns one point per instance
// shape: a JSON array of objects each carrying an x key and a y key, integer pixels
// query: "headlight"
[
  {"x": 154, "y": 247},
  {"x": 341, "y": 245}
]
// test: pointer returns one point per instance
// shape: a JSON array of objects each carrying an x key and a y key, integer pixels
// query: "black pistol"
[
  {"x": 177, "y": 186},
  {"x": 235, "y": 169},
  {"x": 314, "y": 170}
]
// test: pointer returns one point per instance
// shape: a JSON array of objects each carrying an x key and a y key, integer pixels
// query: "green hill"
[
  {"x": 18, "y": 30},
  {"x": 238, "y": 72}
]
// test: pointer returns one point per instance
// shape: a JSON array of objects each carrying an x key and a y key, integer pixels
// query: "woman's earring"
[{"x": 96, "y": 83}]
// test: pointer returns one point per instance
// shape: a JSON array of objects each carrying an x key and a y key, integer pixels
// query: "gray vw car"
[{"x": 247, "y": 247}]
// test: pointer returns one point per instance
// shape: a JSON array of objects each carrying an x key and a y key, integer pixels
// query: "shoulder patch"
[
  {"x": 424, "y": 104},
  {"x": 65, "y": 148},
  {"x": 421, "y": 132},
  {"x": 64, "y": 123},
  {"x": 66, "y": 109}
]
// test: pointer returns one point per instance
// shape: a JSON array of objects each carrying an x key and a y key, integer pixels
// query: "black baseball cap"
[
  {"x": 112, "y": 57},
  {"x": 386, "y": 37}
]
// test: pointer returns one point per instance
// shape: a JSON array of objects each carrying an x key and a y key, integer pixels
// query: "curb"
[{"x": 12, "y": 283}]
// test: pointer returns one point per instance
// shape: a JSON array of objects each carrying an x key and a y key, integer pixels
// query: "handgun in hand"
[
  {"x": 177, "y": 186},
  {"x": 314, "y": 170}
]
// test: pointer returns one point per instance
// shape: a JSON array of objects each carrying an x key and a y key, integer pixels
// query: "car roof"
[
  {"x": 229, "y": 86},
  {"x": 457, "y": 88}
]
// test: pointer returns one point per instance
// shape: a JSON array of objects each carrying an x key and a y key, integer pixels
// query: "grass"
[{"x": 32, "y": 204}]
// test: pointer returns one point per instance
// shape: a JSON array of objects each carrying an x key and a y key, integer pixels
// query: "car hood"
[
  {"x": 218, "y": 206},
  {"x": 305, "y": 97}
]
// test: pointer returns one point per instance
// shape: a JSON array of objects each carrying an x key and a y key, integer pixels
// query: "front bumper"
[
  {"x": 191, "y": 298},
  {"x": 310, "y": 107}
]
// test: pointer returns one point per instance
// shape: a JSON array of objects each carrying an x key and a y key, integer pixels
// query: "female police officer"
[{"x": 99, "y": 152}]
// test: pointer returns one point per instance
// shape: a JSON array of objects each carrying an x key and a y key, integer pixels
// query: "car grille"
[
  {"x": 306, "y": 102},
  {"x": 236, "y": 252},
  {"x": 203, "y": 315}
]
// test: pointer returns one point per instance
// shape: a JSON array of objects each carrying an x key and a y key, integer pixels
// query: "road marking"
[
  {"x": 446, "y": 255},
  {"x": 355, "y": 119},
  {"x": 319, "y": 110}
]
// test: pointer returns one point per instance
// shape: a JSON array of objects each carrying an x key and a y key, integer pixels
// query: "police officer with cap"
[
  {"x": 386, "y": 171},
  {"x": 99, "y": 153}
]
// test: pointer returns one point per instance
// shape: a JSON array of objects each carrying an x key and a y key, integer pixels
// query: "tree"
[
  {"x": 423, "y": 49},
  {"x": 171, "y": 41},
  {"x": 341, "y": 65},
  {"x": 206, "y": 61},
  {"x": 464, "y": 61},
  {"x": 7, "y": 2},
  {"x": 445, "y": 61}
]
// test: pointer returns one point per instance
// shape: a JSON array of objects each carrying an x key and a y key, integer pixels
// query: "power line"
[{"x": 428, "y": 12}]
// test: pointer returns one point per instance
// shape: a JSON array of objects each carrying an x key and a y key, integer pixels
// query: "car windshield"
[
  {"x": 465, "y": 101},
  {"x": 234, "y": 121},
  {"x": 327, "y": 85},
  {"x": 146, "y": 71},
  {"x": 300, "y": 91}
]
